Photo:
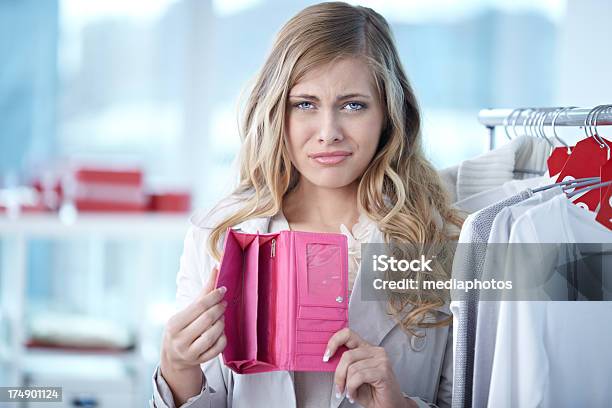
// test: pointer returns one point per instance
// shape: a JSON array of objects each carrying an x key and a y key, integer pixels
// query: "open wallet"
[{"x": 287, "y": 294}]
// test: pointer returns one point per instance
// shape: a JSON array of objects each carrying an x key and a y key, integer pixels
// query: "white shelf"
[
  {"x": 38, "y": 359},
  {"x": 110, "y": 225},
  {"x": 60, "y": 352}
]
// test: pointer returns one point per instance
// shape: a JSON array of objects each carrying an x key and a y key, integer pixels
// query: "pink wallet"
[{"x": 287, "y": 293}]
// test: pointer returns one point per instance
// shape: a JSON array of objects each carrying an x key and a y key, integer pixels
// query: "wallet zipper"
[{"x": 273, "y": 249}]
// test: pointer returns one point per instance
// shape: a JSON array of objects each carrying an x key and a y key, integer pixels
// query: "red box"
[{"x": 170, "y": 202}]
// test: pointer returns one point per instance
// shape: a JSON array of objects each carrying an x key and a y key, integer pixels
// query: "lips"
[{"x": 330, "y": 158}]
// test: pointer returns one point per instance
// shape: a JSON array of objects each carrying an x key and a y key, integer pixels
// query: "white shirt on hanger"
[
  {"x": 559, "y": 220},
  {"x": 553, "y": 354}
]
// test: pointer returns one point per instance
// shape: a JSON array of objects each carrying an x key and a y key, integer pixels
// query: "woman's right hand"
[{"x": 193, "y": 336}]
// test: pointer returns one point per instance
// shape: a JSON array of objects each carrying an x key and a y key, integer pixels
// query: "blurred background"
[{"x": 119, "y": 118}]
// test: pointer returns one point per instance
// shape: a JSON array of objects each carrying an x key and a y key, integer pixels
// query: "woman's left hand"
[{"x": 365, "y": 372}]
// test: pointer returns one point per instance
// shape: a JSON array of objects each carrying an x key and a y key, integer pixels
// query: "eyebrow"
[{"x": 339, "y": 98}]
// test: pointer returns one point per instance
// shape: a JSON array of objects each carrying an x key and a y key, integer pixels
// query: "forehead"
[{"x": 340, "y": 76}]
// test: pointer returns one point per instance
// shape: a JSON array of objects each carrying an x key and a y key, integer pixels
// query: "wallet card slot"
[
  {"x": 322, "y": 312},
  {"x": 311, "y": 349},
  {"x": 317, "y": 325},
  {"x": 313, "y": 337}
]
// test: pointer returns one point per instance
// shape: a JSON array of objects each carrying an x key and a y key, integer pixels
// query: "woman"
[{"x": 330, "y": 139}]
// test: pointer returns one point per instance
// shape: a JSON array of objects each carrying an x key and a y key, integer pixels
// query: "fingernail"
[
  {"x": 350, "y": 399},
  {"x": 224, "y": 303},
  {"x": 326, "y": 356},
  {"x": 338, "y": 393},
  {"x": 222, "y": 290}
]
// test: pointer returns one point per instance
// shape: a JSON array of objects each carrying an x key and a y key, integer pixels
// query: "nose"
[{"x": 330, "y": 131}]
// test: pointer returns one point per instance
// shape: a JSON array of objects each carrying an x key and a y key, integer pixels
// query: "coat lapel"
[
  {"x": 369, "y": 318},
  {"x": 254, "y": 225}
]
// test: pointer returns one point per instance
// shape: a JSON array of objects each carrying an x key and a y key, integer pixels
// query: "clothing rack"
[{"x": 570, "y": 116}]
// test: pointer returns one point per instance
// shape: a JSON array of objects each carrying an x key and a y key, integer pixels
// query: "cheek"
[
  {"x": 366, "y": 135},
  {"x": 298, "y": 134}
]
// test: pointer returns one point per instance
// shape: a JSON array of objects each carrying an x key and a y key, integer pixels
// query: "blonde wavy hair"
[{"x": 400, "y": 190}]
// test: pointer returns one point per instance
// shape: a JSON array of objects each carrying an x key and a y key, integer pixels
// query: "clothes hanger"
[
  {"x": 604, "y": 205},
  {"x": 542, "y": 129},
  {"x": 598, "y": 185},
  {"x": 530, "y": 113},
  {"x": 527, "y": 125},
  {"x": 592, "y": 130},
  {"x": 554, "y": 129},
  {"x": 604, "y": 214},
  {"x": 527, "y": 129},
  {"x": 522, "y": 117},
  {"x": 593, "y": 127},
  {"x": 507, "y": 119},
  {"x": 569, "y": 184},
  {"x": 586, "y": 160},
  {"x": 559, "y": 155},
  {"x": 520, "y": 113}
]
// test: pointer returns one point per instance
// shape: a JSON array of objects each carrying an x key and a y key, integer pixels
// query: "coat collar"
[{"x": 259, "y": 225}]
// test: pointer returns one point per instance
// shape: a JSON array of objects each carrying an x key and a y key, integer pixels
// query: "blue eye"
[
  {"x": 354, "y": 106},
  {"x": 304, "y": 105}
]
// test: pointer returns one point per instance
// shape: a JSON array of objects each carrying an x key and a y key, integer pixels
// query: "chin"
[{"x": 332, "y": 180}]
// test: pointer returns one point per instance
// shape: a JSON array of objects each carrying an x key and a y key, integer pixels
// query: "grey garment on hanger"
[
  {"x": 468, "y": 264},
  {"x": 487, "y": 316}
]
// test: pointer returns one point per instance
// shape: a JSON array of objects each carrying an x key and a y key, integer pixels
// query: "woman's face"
[{"x": 334, "y": 122}]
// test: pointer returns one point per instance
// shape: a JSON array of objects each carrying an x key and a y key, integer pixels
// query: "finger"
[
  {"x": 214, "y": 350},
  {"x": 200, "y": 305},
  {"x": 345, "y": 337},
  {"x": 348, "y": 358},
  {"x": 362, "y": 372},
  {"x": 202, "y": 302},
  {"x": 212, "y": 280},
  {"x": 203, "y": 322},
  {"x": 207, "y": 339}
]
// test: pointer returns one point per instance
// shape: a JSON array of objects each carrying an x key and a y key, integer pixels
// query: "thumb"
[{"x": 212, "y": 279}]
